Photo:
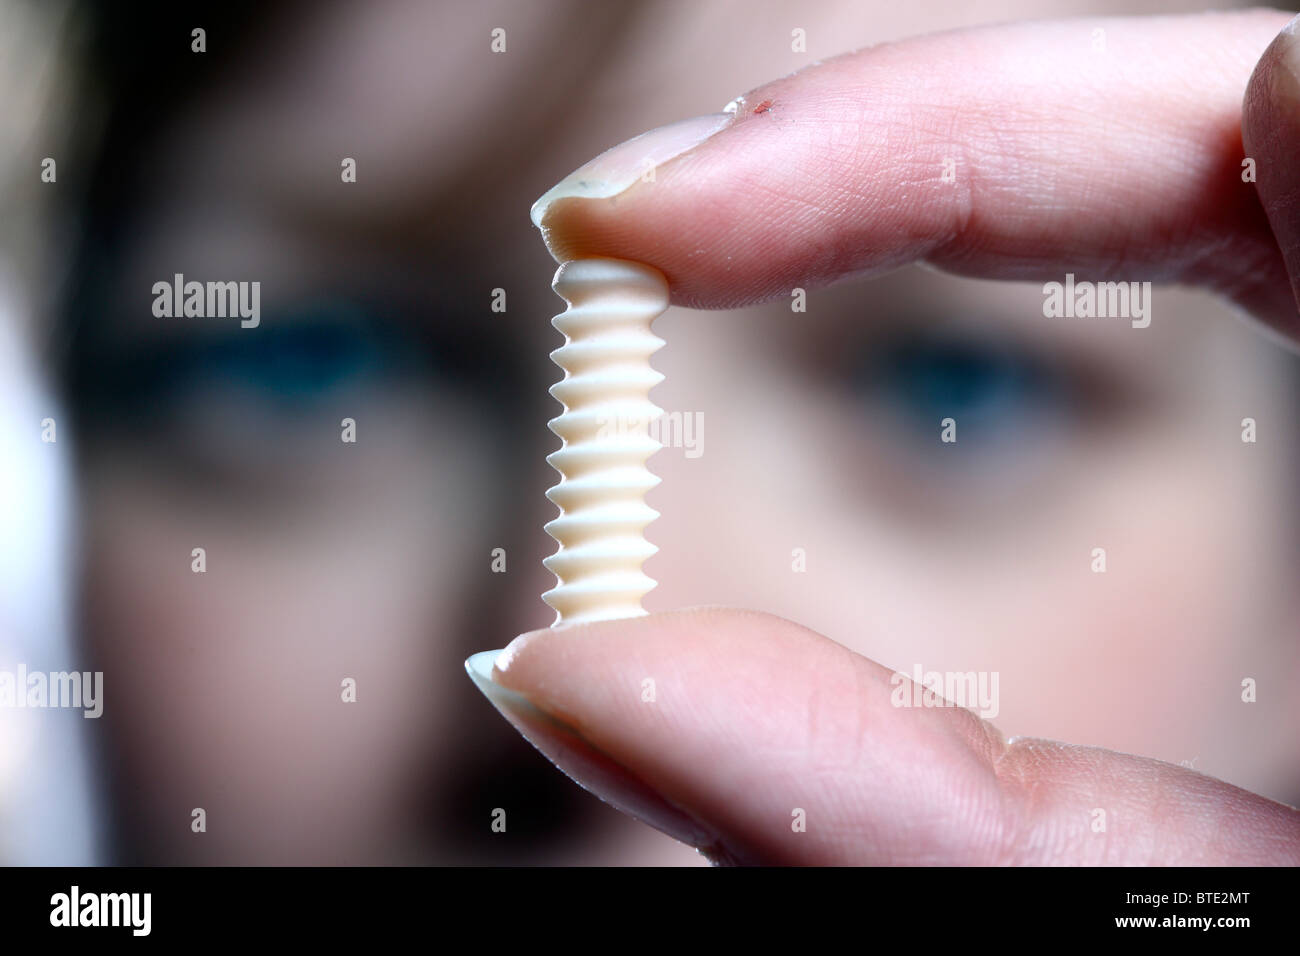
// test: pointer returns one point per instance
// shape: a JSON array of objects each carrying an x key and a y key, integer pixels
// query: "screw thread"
[{"x": 606, "y": 433}]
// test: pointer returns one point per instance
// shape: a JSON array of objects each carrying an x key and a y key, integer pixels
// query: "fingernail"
[
  {"x": 1289, "y": 52},
  {"x": 589, "y": 767},
  {"x": 618, "y": 168}
]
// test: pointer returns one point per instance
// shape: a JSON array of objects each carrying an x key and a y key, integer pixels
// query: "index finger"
[{"x": 1110, "y": 148}]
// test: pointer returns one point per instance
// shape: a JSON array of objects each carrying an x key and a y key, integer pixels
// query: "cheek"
[{"x": 227, "y": 685}]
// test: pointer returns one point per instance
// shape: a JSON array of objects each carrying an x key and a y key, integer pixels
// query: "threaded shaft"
[{"x": 607, "y": 438}]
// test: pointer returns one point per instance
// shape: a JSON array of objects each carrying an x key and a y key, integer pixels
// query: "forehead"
[{"x": 425, "y": 101}]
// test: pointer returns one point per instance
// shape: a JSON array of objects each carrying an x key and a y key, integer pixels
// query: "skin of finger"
[
  {"x": 1120, "y": 164},
  {"x": 1271, "y": 136},
  {"x": 754, "y": 718}
]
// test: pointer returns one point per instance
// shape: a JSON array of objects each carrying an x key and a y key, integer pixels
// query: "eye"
[
  {"x": 222, "y": 410},
  {"x": 294, "y": 360},
  {"x": 297, "y": 362},
  {"x": 293, "y": 364},
  {"x": 997, "y": 393},
  {"x": 266, "y": 403}
]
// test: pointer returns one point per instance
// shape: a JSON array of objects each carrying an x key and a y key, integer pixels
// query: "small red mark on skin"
[{"x": 763, "y": 107}]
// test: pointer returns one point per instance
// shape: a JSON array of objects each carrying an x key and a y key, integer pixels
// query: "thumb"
[
  {"x": 759, "y": 741},
  {"x": 1271, "y": 137}
]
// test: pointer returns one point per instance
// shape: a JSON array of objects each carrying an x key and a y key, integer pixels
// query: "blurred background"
[{"x": 374, "y": 560}]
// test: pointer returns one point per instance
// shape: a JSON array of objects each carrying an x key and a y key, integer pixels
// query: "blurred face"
[{"x": 815, "y": 485}]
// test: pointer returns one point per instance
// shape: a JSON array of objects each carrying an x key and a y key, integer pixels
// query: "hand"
[{"x": 1120, "y": 165}]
